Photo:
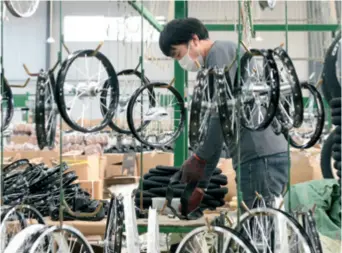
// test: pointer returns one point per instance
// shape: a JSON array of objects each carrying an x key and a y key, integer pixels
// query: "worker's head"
[{"x": 182, "y": 39}]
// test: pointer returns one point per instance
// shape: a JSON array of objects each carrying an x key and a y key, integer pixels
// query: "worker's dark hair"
[{"x": 181, "y": 31}]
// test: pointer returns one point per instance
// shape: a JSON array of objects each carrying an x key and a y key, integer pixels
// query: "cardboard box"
[
  {"x": 119, "y": 165},
  {"x": 85, "y": 167},
  {"x": 154, "y": 158},
  {"x": 45, "y": 156},
  {"x": 305, "y": 166},
  {"x": 20, "y": 139},
  {"x": 93, "y": 187},
  {"x": 86, "y": 123}
]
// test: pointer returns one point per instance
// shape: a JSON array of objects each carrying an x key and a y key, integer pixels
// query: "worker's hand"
[
  {"x": 194, "y": 200},
  {"x": 193, "y": 169}
]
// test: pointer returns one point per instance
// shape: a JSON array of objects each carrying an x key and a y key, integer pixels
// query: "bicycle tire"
[
  {"x": 331, "y": 87},
  {"x": 5, "y": 214},
  {"x": 15, "y": 165},
  {"x": 326, "y": 154},
  {"x": 19, "y": 211},
  {"x": 336, "y": 156},
  {"x": 86, "y": 249},
  {"x": 145, "y": 81},
  {"x": 310, "y": 226},
  {"x": 7, "y": 94},
  {"x": 130, "y": 119},
  {"x": 226, "y": 109},
  {"x": 336, "y": 111},
  {"x": 111, "y": 82},
  {"x": 336, "y": 120},
  {"x": 21, "y": 239},
  {"x": 335, "y": 103},
  {"x": 40, "y": 110},
  {"x": 114, "y": 226},
  {"x": 221, "y": 229},
  {"x": 295, "y": 85},
  {"x": 196, "y": 111},
  {"x": 273, "y": 83},
  {"x": 320, "y": 120},
  {"x": 293, "y": 223},
  {"x": 16, "y": 13},
  {"x": 52, "y": 123}
]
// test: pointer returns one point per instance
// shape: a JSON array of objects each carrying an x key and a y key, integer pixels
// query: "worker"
[{"x": 264, "y": 159}]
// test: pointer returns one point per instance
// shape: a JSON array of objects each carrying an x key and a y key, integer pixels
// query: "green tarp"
[{"x": 325, "y": 195}]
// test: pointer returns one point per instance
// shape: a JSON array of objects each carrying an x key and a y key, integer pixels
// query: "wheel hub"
[{"x": 87, "y": 89}]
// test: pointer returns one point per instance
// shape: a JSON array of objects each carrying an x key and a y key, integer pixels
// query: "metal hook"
[
  {"x": 245, "y": 47},
  {"x": 170, "y": 84},
  {"x": 282, "y": 44},
  {"x": 66, "y": 48},
  {"x": 229, "y": 220},
  {"x": 28, "y": 72},
  {"x": 97, "y": 48},
  {"x": 258, "y": 195},
  {"x": 319, "y": 83},
  {"x": 136, "y": 68},
  {"x": 281, "y": 204},
  {"x": 208, "y": 224},
  {"x": 172, "y": 81},
  {"x": 244, "y": 206},
  {"x": 55, "y": 66},
  {"x": 18, "y": 85}
]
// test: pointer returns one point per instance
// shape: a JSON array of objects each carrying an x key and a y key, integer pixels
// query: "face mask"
[{"x": 189, "y": 64}]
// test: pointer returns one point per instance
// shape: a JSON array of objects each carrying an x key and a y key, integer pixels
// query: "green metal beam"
[
  {"x": 146, "y": 14},
  {"x": 169, "y": 229},
  {"x": 277, "y": 27},
  {"x": 181, "y": 80}
]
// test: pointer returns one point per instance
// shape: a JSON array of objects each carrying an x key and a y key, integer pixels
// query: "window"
[{"x": 100, "y": 28}]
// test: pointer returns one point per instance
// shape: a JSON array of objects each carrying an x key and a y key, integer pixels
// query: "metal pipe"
[{"x": 48, "y": 31}]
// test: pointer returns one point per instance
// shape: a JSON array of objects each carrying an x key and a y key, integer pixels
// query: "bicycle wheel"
[
  {"x": 291, "y": 100},
  {"x": 89, "y": 84},
  {"x": 45, "y": 113},
  {"x": 226, "y": 106},
  {"x": 157, "y": 120},
  {"x": 130, "y": 80},
  {"x": 60, "y": 239},
  {"x": 7, "y": 106},
  {"x": 214, "y": 239},
  {"x": 114, "y": 226},
  {"x": 259, "y": 89},
  {"x": 22, "y": 9},
  {"x": 272, "y": 230},
  {"x": 331, "y": 86},
  {"x": 17, "y": 165},
  {"x": 307, "y": 221},
  {"x": 22, "y": 238},
  {"x": 15, "y": 219},
  {"x": 310, "y": 131},
  {"x": 326, "y": 156},
  {"x": 200, "y": 109}
]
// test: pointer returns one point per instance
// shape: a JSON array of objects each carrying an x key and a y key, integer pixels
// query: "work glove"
[
  {"x": 193, "y": 169},
  {"x": 194, "y": 200}
]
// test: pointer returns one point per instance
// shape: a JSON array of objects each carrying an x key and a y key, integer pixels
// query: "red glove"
[
  {"x": 194, "y": 200},
  {"x": 193, "y": 169}
]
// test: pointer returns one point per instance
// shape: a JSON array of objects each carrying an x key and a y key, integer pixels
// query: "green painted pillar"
[{"x": 181, "y": 84}]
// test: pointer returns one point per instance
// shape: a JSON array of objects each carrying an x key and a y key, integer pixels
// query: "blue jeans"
[{"x": 267, "y": 175}]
